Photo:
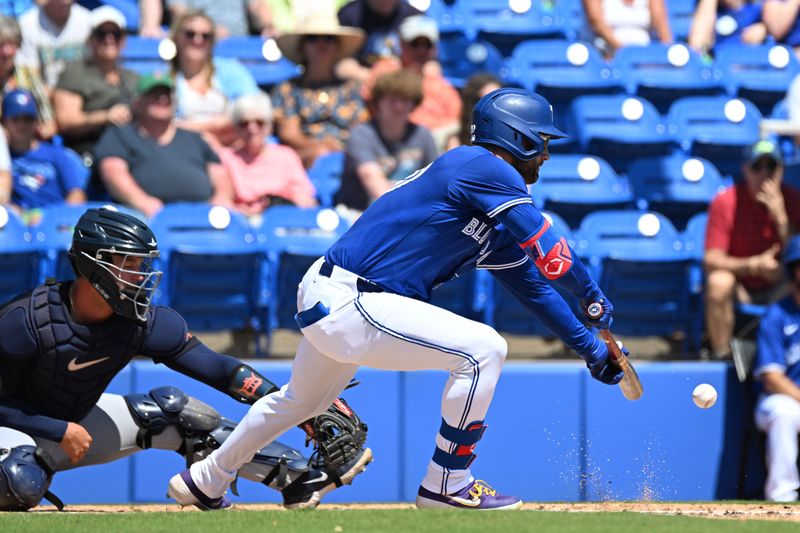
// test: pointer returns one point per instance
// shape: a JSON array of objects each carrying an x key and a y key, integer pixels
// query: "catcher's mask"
[
  {"x": 115, "y": 252},
  {"x": 516, "y": 120}
]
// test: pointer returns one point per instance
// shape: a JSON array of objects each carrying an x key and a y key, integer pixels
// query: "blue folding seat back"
[
  {"x": 326, "y": 175},
  {"x": 293, "y": 238},
  {"x": 791, "y": 173},
  {"x": 662, "y": 73},
  {"x": 681, "y": 14},
  {"x": 19, "y": 256},
  {"x": 717, "y": 128},
  {"x": 449, "y": 19},
  {"x": 561, "y": 70},
  {"x": 54, "y": 235},
  {"x": 677, "y": 186},
  {"x": 141, "y": 49},
  {"x": 761, "y": 74},
  {"x": 694, "y": 236},
  {"x": 212, "y": 266},
  {"x": 619, "y": 128},
  {"x": 573, "y": 185},
  {"x": 643, "y": 268},
  {"x": 461, "y": 57}
]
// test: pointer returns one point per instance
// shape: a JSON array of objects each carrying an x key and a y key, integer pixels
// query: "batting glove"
[
  {"x": 604, "y": 320},
  {"x": 602, "y": 369}
]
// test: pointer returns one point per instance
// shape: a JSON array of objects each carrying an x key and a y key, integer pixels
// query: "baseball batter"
[
  {"x": 364, "y": 302},
  {"x": 777, "y": 367},
  {"x": 62, "y": 343}
]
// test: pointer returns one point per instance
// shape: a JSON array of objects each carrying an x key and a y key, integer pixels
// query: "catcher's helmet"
[
  {"x": 509, "y": 117},
  {"x": 114, "y": 252},
  {"x": 791, "y": 255}
]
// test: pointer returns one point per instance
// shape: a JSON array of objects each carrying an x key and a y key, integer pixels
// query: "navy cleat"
[
  {"x": 306, "y": 491},
  {"x": 183, "y": 490},
  {"x": 478, "y": 496}
]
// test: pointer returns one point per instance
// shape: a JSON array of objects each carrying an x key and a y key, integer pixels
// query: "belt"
[{"x": 319, "y": 310}]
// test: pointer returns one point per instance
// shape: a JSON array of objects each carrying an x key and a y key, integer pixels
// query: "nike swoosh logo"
[
  {"x": 464, "y": 501},
  {"x": 74, "y": 365},
  {"x": 790, "y": 329},
  {"x": 322, "y": 477}
]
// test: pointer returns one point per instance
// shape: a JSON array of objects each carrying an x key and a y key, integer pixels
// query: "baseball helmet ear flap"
[{"x": 516, "y": 120}]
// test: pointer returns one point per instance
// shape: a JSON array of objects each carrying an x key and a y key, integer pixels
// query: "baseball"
[{"x": 704, "y": 396}]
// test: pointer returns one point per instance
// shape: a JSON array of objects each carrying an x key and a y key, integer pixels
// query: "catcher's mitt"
[{"x": 339, "y": 436}]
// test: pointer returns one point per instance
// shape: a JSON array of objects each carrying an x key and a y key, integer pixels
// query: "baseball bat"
[{"x": 630, "y": 384}]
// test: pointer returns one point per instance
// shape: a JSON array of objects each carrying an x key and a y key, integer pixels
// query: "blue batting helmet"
[
  {"x": 508, "y": 117},
  {"x": 791, "y": 254}
]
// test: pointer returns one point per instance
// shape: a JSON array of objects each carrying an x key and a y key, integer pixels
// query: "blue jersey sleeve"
[
  {"x": 489, "y": 184},
  {"x": 771, "y": 353},
  {"x": 72, "y": 173}
]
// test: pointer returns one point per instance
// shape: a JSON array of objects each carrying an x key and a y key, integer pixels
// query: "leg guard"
[
  {"x": 461, "y": 454},
  {"x": 24, "y": 480}
]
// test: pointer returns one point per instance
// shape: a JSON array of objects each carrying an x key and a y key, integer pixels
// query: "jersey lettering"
[
  {"x": 477, "y": 230},
  {"x": 549, "y": 252}
]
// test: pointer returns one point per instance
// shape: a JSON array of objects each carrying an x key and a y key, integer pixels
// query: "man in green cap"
[{"x": 151, "y": 162}]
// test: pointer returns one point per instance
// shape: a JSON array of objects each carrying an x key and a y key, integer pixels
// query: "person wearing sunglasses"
[
  {"x": 96, "y": 91},
  {"x": 440, "y": 109},
  {"x": 206, "y": 86},
  {"x": 749, "y": 224},
  {"x": 263, "y": 173}
]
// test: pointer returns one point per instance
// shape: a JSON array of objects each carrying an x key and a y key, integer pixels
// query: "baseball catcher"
[{"x": 61, "y": 344}]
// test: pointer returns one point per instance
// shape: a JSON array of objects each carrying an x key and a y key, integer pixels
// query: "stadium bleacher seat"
[
  {"x": 662, "y": 73},
  {"x": 326, "y": 175},
  {"x": 293, "y": 238},
  {"x": 573, "y": 185},
  {"x": 143, "y": 55},
  {"x": 643, "y": 268},
  {"x": 681, "y": 13},
  {"x": 19, "y": 256},
  {"x": 449, "y": 20},
  {"x": 461, "y": 57},
  {"x": 694, "y": 238},
  {"x": 619, "y": 128},
  {"x": 261, "y": 57},
  {"x": 760, "y": 74},
  {"x": 717, "y": 128},
  {"x": 677, "y": 186},
  {"x": 212, "y": 265}
]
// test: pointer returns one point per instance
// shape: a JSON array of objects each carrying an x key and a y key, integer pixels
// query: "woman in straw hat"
[{"x": 315, "y": 113}]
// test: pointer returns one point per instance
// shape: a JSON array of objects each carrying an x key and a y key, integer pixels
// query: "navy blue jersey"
[{"x": 440, "y": 221}]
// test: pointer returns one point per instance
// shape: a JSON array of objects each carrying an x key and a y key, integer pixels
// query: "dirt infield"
[{"x": 729, "y": 510}]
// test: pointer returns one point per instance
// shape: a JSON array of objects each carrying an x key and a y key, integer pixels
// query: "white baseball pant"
[
  {"x": 379, "y": 330},
  {"x": 779, "y": 416}
]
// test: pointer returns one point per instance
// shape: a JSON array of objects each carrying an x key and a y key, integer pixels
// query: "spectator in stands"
[
  {"x": 389, "y": 147},
  {"x": 477, "y": 86},
  {"x": 281, "y": 16},
  {"x": 96, "y": 91},
  {"x": 616, "y": 23},
  {"x": 150, "y": 161},
  {"x": 263, "y": 173},
  {"x": 42, "y": 174},
  {"x": 206, "y": 86},
  {"x": 441, "y": 104},
  {"x": 782, "y": 21},
  {"x": 53, "y": 34},
  {"x": 748, "y": 225},
  {"x": 5, "y": 170},
  {"x": 14, "y": 76},
  {"x": 717, "y": 22},
  {"x": 230, "y": 16},
  {"x": 777, "y": 367},
  {"x": 380, "y": 20},
  {"x": 315, "y": 113}
]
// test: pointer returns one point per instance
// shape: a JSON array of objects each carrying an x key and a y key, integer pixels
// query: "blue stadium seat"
[
  {"x": 681, "y": 13},
  {"x": 19, "y": 256},
  {"x": 619, "y": 128},
  {"x": 511, "y": 316},
  {"x": 54, "y": 235},
  {"x": 448, "y": 19},
  {"x": 717, "y": 128},
  {"x": 761, "y": 74},
  {"x": 677, "y": 186},
  {"x": 261, "y": 57},
  {"x": 662, "y": 73},
  {"x": 143, "y": 68},
  {"x": 573, "y": 185},
  {"x": 141, "y": 49},
  {"x": 643, "y": 268},
  {"x": 211, "y": 264},
  {"x": 326, "y": 175},
  {"x": 293, "y": 239},
  {"x": 497, "y": 22},
  {"x": 461, "y": 57}
]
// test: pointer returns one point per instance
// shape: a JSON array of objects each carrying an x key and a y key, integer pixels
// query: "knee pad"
[
  {"x": 23, "y": 480},
  {"x": 167, "y": 406}
]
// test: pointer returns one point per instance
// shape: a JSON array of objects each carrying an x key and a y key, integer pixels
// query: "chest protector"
[{"x": 75, "y": 362}]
